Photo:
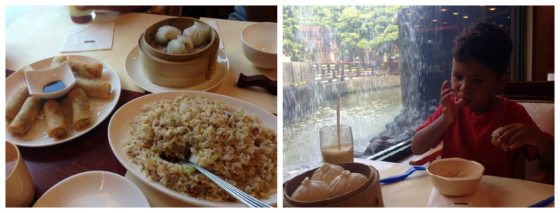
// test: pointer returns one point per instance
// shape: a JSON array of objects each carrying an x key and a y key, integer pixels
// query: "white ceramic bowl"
[
  {"x": 38, "y": 79},
  {"x": 259, "y": 44},
  {"x": 455, "y": 176},
  {"x": 93, "y": 189}
]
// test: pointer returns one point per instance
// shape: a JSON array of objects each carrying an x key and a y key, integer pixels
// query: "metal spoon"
[{"x": 243, "y": 197}]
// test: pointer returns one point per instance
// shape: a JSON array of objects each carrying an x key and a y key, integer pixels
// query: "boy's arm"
[
  {"x": 427, "y": 137},
  {"x": 516, "y": 135},
  {"x": 546, "y": 150}
]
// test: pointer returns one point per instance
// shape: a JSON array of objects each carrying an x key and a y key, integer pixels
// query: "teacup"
[{"x": 19, "y": 187}]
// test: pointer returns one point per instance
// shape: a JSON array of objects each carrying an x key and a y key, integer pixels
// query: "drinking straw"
[{"x": 338, "y": 120}]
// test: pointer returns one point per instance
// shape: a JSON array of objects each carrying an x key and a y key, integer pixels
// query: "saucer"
[{"x": 135, "y": 71}]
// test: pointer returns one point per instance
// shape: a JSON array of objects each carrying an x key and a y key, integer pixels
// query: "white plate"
[
  {"x": 101, "y": 108},
  {"x": 120, "y": 126},
  {"x": 93, "y": 189},
  {"x": 135, "y": 71}
]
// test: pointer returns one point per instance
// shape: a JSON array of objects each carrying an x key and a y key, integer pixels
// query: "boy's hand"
[
  {"x": 516, "y": 135},
  {"x": 450, "y": 107}
]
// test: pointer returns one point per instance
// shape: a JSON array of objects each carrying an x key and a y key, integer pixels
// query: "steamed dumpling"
[
  {"x": 311, "y": 190},
  {"x": 346, "y": 182},
  {"x": 180, "y": 45},
  {"x": 327, "y": 173},
  {"x": 167, "y": 33},
  {"x": 198, "y": 32}
]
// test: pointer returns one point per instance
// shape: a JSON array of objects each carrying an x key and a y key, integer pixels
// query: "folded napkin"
[
  {"x": 215, "y": 26},
  {"x": 88, "y": 37},
  {"x": 477, "y": 199}
]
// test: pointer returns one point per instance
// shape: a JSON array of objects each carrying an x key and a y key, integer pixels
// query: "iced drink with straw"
[{"x": 336, "y": 141}]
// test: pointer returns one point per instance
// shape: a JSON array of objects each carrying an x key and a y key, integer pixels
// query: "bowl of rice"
[{"x": 232, "y": 139}]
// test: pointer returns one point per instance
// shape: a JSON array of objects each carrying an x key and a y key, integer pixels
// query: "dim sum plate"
[
  {"x": 120, "y": 127},
  {"x": 100, "y": 108},
  {"x": 135, "y": 71},
  {"x": 93, "y": 189}
]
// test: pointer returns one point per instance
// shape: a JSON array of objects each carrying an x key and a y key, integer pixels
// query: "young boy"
[{"x": 470, "y": 110}]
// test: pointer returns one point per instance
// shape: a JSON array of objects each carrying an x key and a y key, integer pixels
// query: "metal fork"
[{"x": 243, "y": 197}]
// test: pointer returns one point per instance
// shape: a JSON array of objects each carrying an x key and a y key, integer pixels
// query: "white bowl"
[
  {"x": 259, "y": 44},
  {"x": 93, "y": 189},
  {"x": 455, "y": 176},
  {"x": 38, "y": 79}
]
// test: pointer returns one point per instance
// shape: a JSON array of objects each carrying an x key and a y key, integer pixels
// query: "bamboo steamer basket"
[
  {"x": 367, "y": 195},
  {"x": 177, "y": 70}
]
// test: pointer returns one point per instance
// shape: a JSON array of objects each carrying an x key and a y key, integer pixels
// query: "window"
[{"x": 386, "y": 62}]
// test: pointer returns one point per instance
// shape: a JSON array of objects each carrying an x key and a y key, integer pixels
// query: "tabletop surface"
[
  {"x": 25, "y": 45},
  {"x": 415, "y": 191}
]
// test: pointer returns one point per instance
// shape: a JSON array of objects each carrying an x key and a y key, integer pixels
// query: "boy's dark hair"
[{"x": 485, "y": 43}]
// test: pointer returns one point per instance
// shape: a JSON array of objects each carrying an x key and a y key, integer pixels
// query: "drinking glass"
[
  {"x": 80, "y": 16},
  {"x": 331, "y": 150}
]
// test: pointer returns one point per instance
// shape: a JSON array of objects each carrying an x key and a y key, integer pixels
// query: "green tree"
[
  {"x": 355, "y": 30},
  {"x": 292, "y": 45}
]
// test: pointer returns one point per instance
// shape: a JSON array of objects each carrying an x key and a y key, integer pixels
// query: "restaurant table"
[
  {"x": 415, "y": 191},
  {"x": 39, "y": 33}
]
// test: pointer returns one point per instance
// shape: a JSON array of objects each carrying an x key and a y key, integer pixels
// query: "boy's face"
[{"x": 475, "y": 83}]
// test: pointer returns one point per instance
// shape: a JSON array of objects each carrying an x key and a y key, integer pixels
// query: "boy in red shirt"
[{"x": 470, "y": 110}]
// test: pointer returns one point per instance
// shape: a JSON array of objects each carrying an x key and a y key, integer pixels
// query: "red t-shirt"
[{"x": 469, "y": 136}]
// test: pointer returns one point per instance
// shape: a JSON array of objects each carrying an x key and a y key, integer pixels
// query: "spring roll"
[
  {"x": 56, "y": 124},
  {"x": 81, "y": 114},
  {"x": 95, "y": 88},
  {"x": 86, "y": 69},
  {"x": 56, "y": 61},
  {"x": 67, "y": 110},
  {"x": 15, "y": 103},
  {"x": 80, "y": 68},
  {"x": 25, "y": 118}
]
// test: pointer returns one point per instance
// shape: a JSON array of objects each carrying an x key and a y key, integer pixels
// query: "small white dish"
[
  {"x": 39, "y": 81},
  {"x": 93, "y": 189},
  {"x": 259, "y": 44},
  {"x": 134, "y": 68}
]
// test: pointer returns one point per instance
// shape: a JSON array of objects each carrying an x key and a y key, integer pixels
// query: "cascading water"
[{"x": 381, "y": 108}]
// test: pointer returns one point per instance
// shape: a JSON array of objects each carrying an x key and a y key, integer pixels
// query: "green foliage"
[{"x": 354, "y": 29}]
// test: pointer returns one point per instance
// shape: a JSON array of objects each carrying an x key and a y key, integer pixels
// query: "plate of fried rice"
[{"x": 231, "y": 138}]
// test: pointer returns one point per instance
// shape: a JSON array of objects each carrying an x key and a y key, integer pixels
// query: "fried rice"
[{"x": 228, "y": 142}]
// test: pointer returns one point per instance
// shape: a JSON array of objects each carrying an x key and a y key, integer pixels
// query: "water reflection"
[{"x": 367, "y": 113}]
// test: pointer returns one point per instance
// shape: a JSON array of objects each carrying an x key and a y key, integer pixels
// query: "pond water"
[{"x": 367, "y": 113}]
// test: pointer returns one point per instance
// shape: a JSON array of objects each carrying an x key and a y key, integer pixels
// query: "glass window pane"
[{"x": 387, "y": 63}]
